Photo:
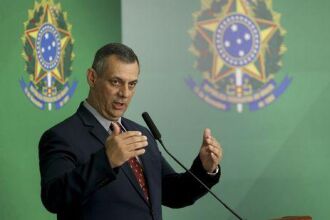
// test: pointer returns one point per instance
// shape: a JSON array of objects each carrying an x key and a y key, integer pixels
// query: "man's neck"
[{"x": 99, "y": 117}]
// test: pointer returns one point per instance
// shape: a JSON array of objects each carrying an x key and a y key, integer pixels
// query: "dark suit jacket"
[{"x": 77, "y": 181}]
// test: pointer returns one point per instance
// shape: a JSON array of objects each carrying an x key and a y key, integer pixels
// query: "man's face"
[{"x": 112, "y": 90}]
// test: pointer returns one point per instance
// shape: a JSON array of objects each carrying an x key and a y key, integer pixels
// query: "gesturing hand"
[
  {"x": 210, "y": 152},
  {"x": 121, "y": 146}
]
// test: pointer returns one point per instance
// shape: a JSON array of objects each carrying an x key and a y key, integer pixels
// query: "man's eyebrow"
[
  {"x": 115, "y": 77},
  {"x": 122, "y": 80}
]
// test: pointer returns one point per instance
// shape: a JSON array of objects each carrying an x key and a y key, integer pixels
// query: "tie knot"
[{"x": 111, "y": 127}]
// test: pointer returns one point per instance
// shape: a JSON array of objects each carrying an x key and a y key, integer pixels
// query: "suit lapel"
[
  {"x": 147, "y": 168},
  {"x": 95, "y": 128},
  {"x": 130, "y": 175}
]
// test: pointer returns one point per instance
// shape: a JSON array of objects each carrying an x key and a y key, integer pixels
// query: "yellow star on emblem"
[
  {"x": 31, "y": 36},
  {"x": 220, "y": 69}
]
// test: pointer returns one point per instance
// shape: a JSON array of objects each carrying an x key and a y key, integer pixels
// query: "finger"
[
  {"x": 137, "y": 152},
  {"x": 212, "y": 141},
  {"x": 219, "y": 153},
  {"x": 137, "y": 145},
  {"x": 206, "y": 134},
  {"x": 214, "y": 150},
  {"x": 208, "y": 142},
  {"x": 218, "y": 158},
  {"x": 129, "y": 134},
  {"x": 134, "y": 139},
  {"x": 116, "y": 129},
  {"x": 215, "y": 159}
]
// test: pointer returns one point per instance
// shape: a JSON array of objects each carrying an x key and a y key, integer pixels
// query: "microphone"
[{"x": 152, "y": 127}]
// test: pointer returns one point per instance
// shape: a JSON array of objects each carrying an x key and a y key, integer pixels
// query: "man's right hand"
[{"x": 122, "y": 146}]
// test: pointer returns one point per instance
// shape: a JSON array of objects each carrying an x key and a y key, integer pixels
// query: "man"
[{"x": 99, "y": 165}]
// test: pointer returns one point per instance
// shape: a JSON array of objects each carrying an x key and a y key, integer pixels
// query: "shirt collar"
[{"x": 102, "y": 120}]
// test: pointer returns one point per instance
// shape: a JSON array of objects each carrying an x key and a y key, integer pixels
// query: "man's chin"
[{"x": 116, "y": 114}]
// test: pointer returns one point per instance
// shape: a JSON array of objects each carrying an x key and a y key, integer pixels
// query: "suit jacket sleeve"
[
  {"x": 181, "y": 189},
  {"x": 66, "y": 183}
]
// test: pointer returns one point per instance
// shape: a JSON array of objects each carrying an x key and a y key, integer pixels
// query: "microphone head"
[{"x": 152, "y": 127}]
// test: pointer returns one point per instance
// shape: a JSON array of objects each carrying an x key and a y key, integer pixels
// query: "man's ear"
[{"x": 91, "y": 77}]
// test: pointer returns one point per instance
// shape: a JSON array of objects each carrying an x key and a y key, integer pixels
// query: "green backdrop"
[
  {"x": 94, "y": 23},
  {"x": 275, "y": 159}
]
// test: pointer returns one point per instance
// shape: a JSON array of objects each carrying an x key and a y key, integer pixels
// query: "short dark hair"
[{"x": 121, "y": 51}]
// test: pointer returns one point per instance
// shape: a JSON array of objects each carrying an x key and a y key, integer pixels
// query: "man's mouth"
[{"x": 118, "y": 105}]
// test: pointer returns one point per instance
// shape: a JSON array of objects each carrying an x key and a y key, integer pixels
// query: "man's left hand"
[{"x": 211, "y": 152}]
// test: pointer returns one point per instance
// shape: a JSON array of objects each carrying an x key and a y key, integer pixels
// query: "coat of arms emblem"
[
  {"x": 48, "y": 55},
  {"x": 239, "y": 45}
]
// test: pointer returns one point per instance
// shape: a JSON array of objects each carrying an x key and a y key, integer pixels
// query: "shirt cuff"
[{"x": 214, "y": 172}]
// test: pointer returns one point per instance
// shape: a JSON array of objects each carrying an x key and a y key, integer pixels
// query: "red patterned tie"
[
  {"x": 137, "y": 169},
  {"x": 138, "y": 172}
]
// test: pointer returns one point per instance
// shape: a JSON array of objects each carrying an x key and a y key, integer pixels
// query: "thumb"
[
  {"x": 207, "y": 134},
  {"x": 116, "y": 129}
]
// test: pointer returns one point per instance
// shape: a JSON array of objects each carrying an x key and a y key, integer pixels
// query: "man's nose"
[{"x": 124, "y": 91}]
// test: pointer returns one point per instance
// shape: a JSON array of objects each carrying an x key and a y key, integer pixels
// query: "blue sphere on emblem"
[
  {"x": 48, "y": 47},
  {"x": 237, "y": 39}
]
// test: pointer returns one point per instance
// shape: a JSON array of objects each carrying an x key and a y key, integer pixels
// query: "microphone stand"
[
  {"x": 200, "y": 181},
  {"x": 158, "y": 136}
]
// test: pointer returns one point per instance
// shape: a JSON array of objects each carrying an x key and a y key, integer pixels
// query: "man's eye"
[
  {"x": 132, "y": 84},
  {"x": 115, "y": 82}
]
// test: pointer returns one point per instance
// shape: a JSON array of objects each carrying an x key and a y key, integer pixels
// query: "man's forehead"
[
  {"x": 122, "y": 74},
  {"x": 119, "y": 68}
]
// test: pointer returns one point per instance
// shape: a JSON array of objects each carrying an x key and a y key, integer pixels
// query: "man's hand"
[
  {"x": 211, "y": 152},
  {"x": 121, "y": 146}
]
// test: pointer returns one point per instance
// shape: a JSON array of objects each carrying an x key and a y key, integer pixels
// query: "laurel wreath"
[{"x": 273, "y": 57}]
